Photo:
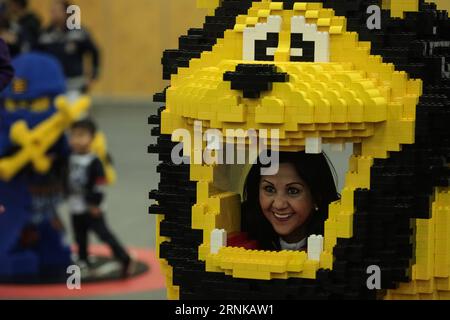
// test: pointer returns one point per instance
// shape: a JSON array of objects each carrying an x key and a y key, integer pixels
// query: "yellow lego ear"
[
  {"x": 211, "y": 5},
  {"x": 399, "y": 7}
]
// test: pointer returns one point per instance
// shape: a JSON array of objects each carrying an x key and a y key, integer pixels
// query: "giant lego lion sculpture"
[{"x": 317, "y": 73}]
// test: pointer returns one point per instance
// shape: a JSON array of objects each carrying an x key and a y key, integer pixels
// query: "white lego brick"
[
  {"x": 313, "y": 145},
  {"x": 259, "y": 32},
  {"x": 218, "y": 240},
  {"x": 322, "y": 47},
  {"x": 310, "y": 33},
  {"x": 271, "y": 51},
  {"x": 315, "y": 247},
  {"x": 296, "y": 52}
]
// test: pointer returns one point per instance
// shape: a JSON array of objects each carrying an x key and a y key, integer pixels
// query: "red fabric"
[{"x": 241, "y": 240}]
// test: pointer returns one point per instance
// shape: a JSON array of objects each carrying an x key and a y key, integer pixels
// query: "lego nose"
[{"x": 252, "y": 79}]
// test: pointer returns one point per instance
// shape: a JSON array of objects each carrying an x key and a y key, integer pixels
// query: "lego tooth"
[
  {"x": 218, "y": 240},
  {"x": 313, "y": 145},
  {"x": 315, "y": 247}
]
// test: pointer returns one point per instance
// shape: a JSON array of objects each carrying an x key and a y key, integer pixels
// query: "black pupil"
[
  {"x": 306, "y": 46},
  {"x": 297, "y": 42},
  {"x": 261, "y": 47}
]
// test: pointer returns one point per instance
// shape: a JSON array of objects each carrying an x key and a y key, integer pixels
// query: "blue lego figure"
[{"x": 32, "y": 244}]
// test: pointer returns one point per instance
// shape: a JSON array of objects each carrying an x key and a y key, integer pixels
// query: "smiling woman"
[{"x": 282, "y": 210}]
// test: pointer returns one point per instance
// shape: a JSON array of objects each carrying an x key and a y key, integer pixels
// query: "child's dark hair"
[
  {"x": 86, "y": 124},
  {"x": 315, "y": 170}
]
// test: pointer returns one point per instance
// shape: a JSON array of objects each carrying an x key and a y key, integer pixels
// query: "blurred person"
[
  {"x": 20, "y": 27},
  {"x": 6, "y": 69},
  {"x": 31, "y": 227},
  {"x": 70, "y": 47},
  {"x": 86, "y": 183},
  {"x": 7, "y": 35}
]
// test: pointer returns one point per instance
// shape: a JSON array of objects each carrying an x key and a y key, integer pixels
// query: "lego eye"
[
  {"x": 308, "y": 44},
  {"x": 265, "y": 49},
  {"x": 261, "y": 41}
]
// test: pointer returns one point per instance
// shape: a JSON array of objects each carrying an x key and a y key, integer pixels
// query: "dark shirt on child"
[{"x": 86, "y": 183}]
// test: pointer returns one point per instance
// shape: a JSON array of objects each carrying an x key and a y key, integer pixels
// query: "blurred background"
[
  {"x": 123, "y": 72},
  {"x": 132, "y": 36},
  {"x": 128, "y": 38}
]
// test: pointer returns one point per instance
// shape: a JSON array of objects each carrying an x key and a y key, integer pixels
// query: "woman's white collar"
[{"x": 293, "y": 246}]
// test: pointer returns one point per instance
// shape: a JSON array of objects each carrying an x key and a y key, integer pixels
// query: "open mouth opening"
[{"x": 229, "y": 239}]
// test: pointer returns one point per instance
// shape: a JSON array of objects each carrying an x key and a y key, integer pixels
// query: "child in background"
[{"x": 86, "y": 182}]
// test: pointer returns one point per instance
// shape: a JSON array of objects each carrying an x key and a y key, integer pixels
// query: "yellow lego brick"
[
  {"x": 198, "y": 216},
  {"x": 429, "y": 296},
  {"x": 442, "y": 266},
  {"x": 203, "y": 190},
  {"x": 407, "y": 288},
  {"x": 276, "y": 6},
  {"x": 425, "y": 286},
  {"x": 211, "y": 265},
  {"x": 208, "y": 4},
  {"x": 263, "y": 13},
  {"x": 251, "y": 274},
  {"x": 316, "y": 6},
  {"x": 296, "y": 263},
  {"x": 312, "y": 14},
  {"x": 201, "y": 173},
  {"x": 423, "y": 270},
  {"x": 240, "y": 27},
  {"x": 273, "y": 266},
  {"x": 330, "y": 235},
  {"x": 251, "y": 20},
  {"x": 203, "y": 251},
  {"x": 399, "y": 7},
  {"x": 347, "y": 199},
  {"x": 326, "y": 260},
  {"x": 324, "y": 22},
  {"x": 227, "y": 262},
  {"x": 336, "y": 30},
  {"x": 300, "y": 6},
  {"x": 344, "y": 225},
  {"x": 325, "y": 14},
  {"x": 443, "y": 284},
  {"x": 173, "y": 293},
  {"x": 444, "y": 295},
  {"x": 395, "y": 296},
  {"x": 271, "y": 111},
  {"x": 310, "y": 269},
  {"x": 280, "y": 275}
]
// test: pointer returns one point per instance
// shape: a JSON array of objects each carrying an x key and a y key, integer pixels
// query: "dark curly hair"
[{"x": 315, "y": 170}]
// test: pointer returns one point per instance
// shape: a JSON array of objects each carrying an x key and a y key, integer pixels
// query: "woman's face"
[{"x": 287, "y": 203}]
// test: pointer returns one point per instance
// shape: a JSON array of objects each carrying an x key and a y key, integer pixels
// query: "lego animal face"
[
  {"x": 298, "y": 71},
  {"x": 296, "y": 67}
]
